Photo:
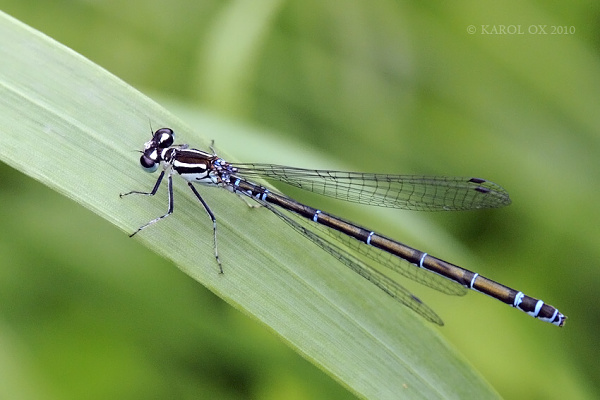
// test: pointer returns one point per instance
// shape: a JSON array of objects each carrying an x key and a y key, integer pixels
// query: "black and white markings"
[{"x": 397, "y": 191}]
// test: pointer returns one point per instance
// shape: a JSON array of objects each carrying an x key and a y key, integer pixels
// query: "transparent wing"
[
  {"x": 394, "y": 263},
  {"x": 409, "y": 192},
  {"x": 383, "y": 282}
]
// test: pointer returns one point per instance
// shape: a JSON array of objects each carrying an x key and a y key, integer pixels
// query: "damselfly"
[{"x": 353, "y": 245}]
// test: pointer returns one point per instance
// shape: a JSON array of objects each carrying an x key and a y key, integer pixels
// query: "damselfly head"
[{"x": 151, "y": 156}]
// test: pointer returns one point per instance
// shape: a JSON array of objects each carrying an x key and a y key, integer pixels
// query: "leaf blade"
[{"x": 73, "y": 126}]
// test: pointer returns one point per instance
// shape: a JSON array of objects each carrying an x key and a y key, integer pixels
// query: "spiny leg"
[
  {"x": 152, "y": 193},
  {"x": 214, "y": 220},
  {"x": 154, "y": 189}
]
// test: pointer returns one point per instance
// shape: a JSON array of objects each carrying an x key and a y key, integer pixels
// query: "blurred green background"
[{"x": 380, "y": 86}]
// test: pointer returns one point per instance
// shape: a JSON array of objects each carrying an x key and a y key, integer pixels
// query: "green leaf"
[{"x": 73, "y": 126}]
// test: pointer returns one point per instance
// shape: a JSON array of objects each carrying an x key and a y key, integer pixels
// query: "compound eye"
[
  {"x": 164, "y": 137},
  {"x": 148, "y": 164}
]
